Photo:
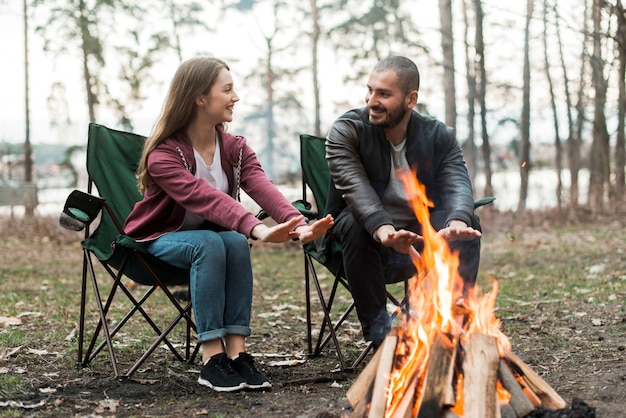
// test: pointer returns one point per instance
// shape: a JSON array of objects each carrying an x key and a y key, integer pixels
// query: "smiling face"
[
  {"x": 388, "y": 105},
  {"x": 221, "y": 99}
]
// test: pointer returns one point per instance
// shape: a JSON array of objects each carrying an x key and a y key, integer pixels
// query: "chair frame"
[
  {"x": 328, "y": 328},
  {"x": 85, "y": 357},
  {"x": 80, "y": 211}
]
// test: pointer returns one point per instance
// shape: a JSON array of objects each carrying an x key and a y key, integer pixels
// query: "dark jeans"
[{"x": 368, "y": 265}]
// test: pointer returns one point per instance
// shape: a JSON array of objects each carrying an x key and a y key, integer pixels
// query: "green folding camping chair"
[
  {"x": 112, "y": 160},
  {"x": 316, "y": 178}
]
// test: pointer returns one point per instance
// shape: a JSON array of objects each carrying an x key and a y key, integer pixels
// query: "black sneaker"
[
  {"x": 218, "y": 374},
  {"x": 244, "y": 365}
]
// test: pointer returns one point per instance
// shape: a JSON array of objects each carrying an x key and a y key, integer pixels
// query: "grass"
[{"x": 561, "y": 302}]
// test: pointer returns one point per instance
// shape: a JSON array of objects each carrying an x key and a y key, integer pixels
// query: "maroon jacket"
[{"x": 175, "y": 188}]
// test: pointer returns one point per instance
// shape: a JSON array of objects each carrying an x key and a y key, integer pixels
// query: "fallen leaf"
[
  {"x": 43, "y": 352},
  {"x": 9, "y": 320},
  {"x": 10, "y": 352},
  {"x": 19, "y": 404},
  {"x": 282, "y": 363},
  {"x": 47, "y": 390},
  {"x": 29, "y": 314},
  {"x": 71, "y": 335}
]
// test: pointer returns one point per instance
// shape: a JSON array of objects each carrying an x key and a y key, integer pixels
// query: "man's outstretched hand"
[
  {"x": 401, "y": 240},
  {"x": 458, "y": 231}
]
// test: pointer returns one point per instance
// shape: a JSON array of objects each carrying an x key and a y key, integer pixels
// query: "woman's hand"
[
  {"x": 277, "y": 233},
  {"x": 312, "y": 231}
]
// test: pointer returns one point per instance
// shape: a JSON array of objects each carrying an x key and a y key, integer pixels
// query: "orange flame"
[{"x": 436, "y": 297}]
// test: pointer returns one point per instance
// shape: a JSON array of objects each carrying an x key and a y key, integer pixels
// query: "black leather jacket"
[{"x": 359, "y": 159}]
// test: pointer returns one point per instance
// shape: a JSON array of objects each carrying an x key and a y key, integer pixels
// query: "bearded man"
[{"x": 374, "y": 222}]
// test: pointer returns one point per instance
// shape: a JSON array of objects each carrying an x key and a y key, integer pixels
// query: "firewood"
[
  {"x": 359, "y": 388},
  {"x": 480, "y": 375},
  {"x": 405, "y": 408},
  {"x": 520, "y": 403},
  {"x": 439, "y": 375},
  {"x": 362, "y": 405},
  {"x": 545, "y": 392},
  {"x": 506, "y": 411},
  {"x": 381, "y": 382}
]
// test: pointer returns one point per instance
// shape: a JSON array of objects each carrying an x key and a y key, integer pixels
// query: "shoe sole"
[
  {"x": 264, "y": 385},
  {"x": 206, "y": 383}
]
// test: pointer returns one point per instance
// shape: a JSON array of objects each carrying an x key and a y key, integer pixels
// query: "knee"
[{"x": 236, "y": 243}]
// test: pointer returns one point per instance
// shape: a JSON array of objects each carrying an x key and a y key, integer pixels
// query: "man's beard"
[{"x": 393, "y": 117}]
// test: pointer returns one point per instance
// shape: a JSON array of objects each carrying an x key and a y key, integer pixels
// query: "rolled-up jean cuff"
[{"x": 222, "y": 332}]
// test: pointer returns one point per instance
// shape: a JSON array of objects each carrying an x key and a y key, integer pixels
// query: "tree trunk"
[
  {"x": 572, "y": 141},
  {"x": 315, "y": 36},
  {"x": 574, "y": 151},
  {"x": 620, "y": 151},
  {"x": 558, "y": 163},
  {"x": 469, "y": 150},
  {"x": 525, "y": 163},
  {"x": 481, "y": 81},
  {"x": 269, "y": 88},
  {"x": 447, "y": 48},
  {"x": 599, "y": 164},
  {"x": 30, "y": 196},
  {"x": 89, "y": 85}
]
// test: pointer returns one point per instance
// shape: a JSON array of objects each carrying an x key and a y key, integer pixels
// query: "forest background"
[{"x": 529, "y": 86}]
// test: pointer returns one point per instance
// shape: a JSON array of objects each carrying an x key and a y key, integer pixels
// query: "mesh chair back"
[
  {"x": 314, "y": 168},
  {"x": 112, "y": 160}
]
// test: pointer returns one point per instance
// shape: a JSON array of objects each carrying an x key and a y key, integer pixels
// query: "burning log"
[
  {"x": 434, "y": 395},
  {"x": 548, "y": 396},
  {"x": 379, "y": 395},
  {"x": 362, "y": 390},
  {"x": 438, "y": 390},
  {"x": 480, "y": 375},
  {"x": 520, "y": 403}
]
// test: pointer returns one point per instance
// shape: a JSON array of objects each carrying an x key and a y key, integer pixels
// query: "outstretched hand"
[
  {"x": 458, "y": 231},
  {"x": 401, "y": 240},
  {"x": 277, "y": 233},
  {"x": 314, "y": 230}
]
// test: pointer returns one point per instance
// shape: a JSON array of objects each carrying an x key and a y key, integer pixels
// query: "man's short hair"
[{"x": 408, "y": 74}]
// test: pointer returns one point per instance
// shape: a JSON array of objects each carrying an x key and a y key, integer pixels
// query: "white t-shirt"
[
  {"x": 394, "y": 200},
  {"x": 212, "y": 174}
]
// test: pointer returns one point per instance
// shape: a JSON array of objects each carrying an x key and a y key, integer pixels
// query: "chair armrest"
[
  {"x": 484, "y": 201},
  {"x": 80, "y": 210},
  {"x": 303, "y": 207}
]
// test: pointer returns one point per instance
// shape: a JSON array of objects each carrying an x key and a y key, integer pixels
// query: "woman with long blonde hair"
[{"x": 190, "y": 173}]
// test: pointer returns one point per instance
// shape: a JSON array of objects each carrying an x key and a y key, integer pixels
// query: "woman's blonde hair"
[{"x": 193, "y": 78}]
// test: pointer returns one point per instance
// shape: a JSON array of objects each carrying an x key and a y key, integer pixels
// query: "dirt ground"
[{"x": 581, "y": 360}]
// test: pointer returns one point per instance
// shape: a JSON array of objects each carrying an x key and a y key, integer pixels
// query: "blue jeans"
[{"x": 220, "y": 278}]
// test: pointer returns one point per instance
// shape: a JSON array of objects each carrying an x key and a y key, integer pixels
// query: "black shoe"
[
  {"x": 244, "y": 365},
  {"x": 218, "y": 374}
]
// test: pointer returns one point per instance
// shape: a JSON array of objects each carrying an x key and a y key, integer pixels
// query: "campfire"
[{"x": 448, "y": 358}]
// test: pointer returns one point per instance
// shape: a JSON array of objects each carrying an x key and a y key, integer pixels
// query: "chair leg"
[
  {"x": 307, "y": 290},
  {"x": 327, "y": 322},
  {"x": 103, "y": 322},
  {"x": 156, "y": 343},
  {"x": 81, "y": 320},
  {"x": 109, "y": 334}
]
